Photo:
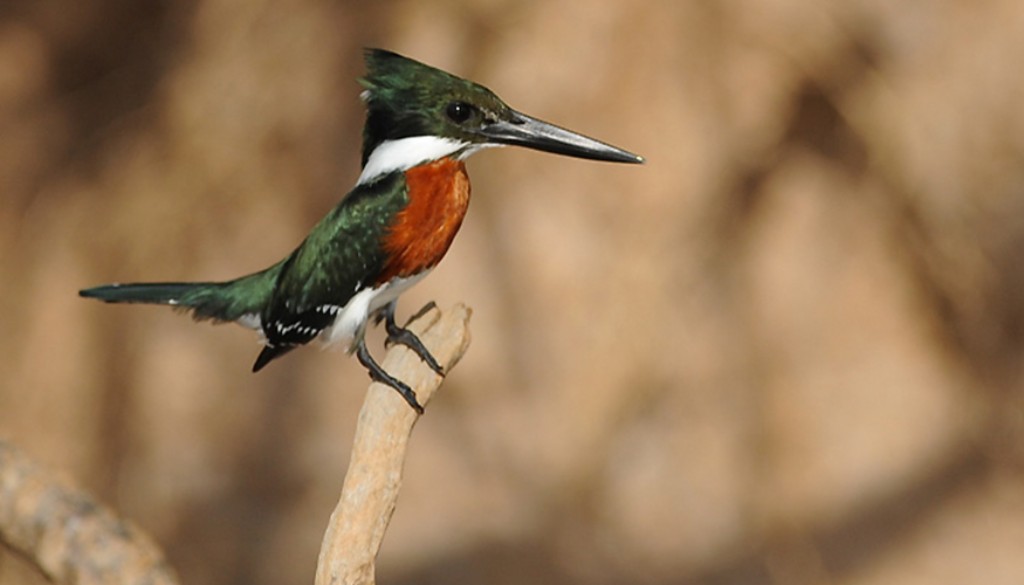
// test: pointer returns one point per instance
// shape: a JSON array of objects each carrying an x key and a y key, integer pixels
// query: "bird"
[{"x": 388, "y": 232}]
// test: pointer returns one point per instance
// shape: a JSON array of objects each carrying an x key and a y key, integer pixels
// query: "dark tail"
[
  {"x": 156, "y": 293},
  {"x": 269, "y": 353},
  {"x": 243, "y": 298},
  {"x": 205, "y": 299}
]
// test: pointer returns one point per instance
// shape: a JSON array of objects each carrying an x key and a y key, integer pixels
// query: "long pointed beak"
[{"x": 522, "y": 130}]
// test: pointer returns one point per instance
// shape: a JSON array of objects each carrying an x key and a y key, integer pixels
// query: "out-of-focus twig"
[
  {"x": 374, "y": 475},
  {"x": 63, "y": 531}
]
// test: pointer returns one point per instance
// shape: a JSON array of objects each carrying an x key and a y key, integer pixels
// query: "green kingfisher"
[{"x": 388, "y": 232}]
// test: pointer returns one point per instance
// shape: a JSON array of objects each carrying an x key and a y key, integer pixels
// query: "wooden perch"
[
  {"x": 66, "y": 534},
  {"x": 75, "y": 541},
  {"x": 385, "y": 423}
]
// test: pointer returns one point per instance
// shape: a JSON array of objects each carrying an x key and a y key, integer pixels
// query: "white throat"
[{"x": 406, "y": 153}]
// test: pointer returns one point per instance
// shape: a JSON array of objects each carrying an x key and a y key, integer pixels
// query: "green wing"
[{"x": 341, "y": 256}]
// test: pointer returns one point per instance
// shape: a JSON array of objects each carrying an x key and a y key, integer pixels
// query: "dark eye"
[{"x": 459, "y": 112}]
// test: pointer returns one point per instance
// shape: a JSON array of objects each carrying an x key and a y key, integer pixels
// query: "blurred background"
[{"x": 786, "y": 350}]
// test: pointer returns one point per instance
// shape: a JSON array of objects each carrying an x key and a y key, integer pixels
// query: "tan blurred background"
[{"x": 786, "y": 350}]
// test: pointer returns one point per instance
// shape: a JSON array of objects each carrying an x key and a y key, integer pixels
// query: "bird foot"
[
  {"x": 377, "y": 374},
  {"x": 397, "y": 334}
]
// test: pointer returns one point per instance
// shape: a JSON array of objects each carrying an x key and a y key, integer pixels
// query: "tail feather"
[
  {"x": 236, "y": 300},
  {"x": 201, "y": 298},
  {"x": 155, "y": 293},
  {"x": 269, "y": 353}
]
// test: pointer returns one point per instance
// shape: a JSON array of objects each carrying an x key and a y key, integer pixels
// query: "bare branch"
[
  {"x": 72, "y": 539},
  {"x": 75, "y": 541},
  {"x": 374, "y": 475}
]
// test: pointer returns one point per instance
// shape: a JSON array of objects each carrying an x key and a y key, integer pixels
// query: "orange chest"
[{"x": 422, "y": 232}]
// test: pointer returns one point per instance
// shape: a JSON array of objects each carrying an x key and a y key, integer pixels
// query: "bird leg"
[
  {"x": 407, "y": 338},
  {"x": 377, "y": 374}
]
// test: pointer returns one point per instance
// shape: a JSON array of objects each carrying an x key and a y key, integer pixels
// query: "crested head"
[
  {"x": 406, "y": 98},
  {"x": 418, "y": 113}
]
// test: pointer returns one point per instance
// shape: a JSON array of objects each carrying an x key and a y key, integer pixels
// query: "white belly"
[{"x": 350, "y": 323}]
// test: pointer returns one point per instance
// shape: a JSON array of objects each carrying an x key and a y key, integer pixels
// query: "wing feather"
[{"x": 341, "y": 255}]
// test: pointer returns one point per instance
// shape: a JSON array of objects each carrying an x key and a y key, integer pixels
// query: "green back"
[{"x": 342, "y": 255}]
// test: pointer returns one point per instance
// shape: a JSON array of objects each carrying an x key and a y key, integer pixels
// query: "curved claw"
[
  {"x": 377, "y": 374},
  {"x": 407, "y": 338}
]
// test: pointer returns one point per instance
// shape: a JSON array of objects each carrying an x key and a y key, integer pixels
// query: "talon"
[
  {"x": 406, "y": 337},
  {"x": 423, "y": 311},
  {"x": 377, "y": 374}
]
